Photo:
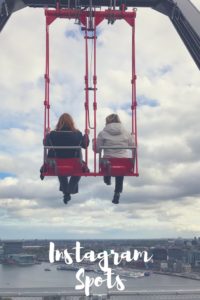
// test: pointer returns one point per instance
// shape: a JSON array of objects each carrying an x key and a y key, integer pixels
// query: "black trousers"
[
  {"x": 69, "y": 186},
  {"x": 118, "y": 183}
]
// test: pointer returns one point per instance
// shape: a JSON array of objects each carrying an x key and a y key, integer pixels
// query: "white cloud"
[
  {"x": 196, "y": 3},
  {"x": 164, "y": 200}
]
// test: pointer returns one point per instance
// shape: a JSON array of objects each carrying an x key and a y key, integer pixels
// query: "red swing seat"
[
  {"x": 117, "y": 166},
  {"x": 56, "y": 166},
  {"x": 62, "y": 167},
  {"x": 114, "y": 166}
]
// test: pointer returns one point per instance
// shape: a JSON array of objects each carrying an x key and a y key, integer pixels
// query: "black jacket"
[{"x": 66, "y": 138}]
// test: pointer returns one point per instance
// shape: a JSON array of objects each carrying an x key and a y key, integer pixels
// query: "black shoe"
[
  {"x": 107, "y": 180},
  {"x": 67, "y": 197},
  {"x": 116, "y": 198},
  {"x": 42, "y": 171}
]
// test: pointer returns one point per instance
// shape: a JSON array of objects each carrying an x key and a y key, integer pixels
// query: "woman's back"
[
  {"x": 64, "y": 139},
  {"x": 114, "y": 135}
]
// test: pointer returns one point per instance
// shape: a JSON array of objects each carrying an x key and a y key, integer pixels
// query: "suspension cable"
[
  {"x": 134, "y": 102},
  {"x": 95, "y": 94},
  {"x": 47, "y": 81},
  {"x": 90, "y": 79},
  {"x": 86, "y": 88}
]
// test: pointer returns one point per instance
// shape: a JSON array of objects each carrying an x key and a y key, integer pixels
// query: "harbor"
[{"x": 35, "y": 276}]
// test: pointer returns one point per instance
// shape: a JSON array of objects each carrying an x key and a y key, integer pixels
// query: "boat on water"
[
  {"x": 98, "y": 271},
  {"x": 130, "y": 273},
  {"x": 47, "y": 269},
  {"x": 19, "y": 260},
  {"x": 67, "y": 268},
  {"x": 88, "y": 269},
  {"x": 147, "y": 273}
]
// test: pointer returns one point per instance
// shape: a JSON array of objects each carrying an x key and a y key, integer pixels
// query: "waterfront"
[{"x": 36, "y": 277}]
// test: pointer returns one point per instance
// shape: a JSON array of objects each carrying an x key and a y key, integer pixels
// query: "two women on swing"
[{"x": 66, "y": 134}]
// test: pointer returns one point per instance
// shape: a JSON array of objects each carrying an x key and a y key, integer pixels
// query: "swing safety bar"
[
  {"x": 132, "y": 148},
  {"x": 63, "y": 147}
]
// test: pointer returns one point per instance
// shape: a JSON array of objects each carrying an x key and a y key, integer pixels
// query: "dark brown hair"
[
  {"x": 65, "y": 121},
  {"x": 113, "y": 118}
]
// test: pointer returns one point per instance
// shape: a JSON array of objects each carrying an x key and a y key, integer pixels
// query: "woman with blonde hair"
[
  {"x": 114, "y": 135},
  {"x": 66, "y": 134}
]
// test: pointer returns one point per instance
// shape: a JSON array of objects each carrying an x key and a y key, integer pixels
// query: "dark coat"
[{"x": 66, "y": 138}]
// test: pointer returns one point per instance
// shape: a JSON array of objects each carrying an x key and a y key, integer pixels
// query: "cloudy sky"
[{"x": 165, "y": 200}]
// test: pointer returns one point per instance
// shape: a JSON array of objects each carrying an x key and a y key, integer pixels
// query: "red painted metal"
[
  {"x": 73, "y": 166},
  {"x": 82, "y": 15},
  {"x": 86, "y": 89},
  {"x": 62, "y": 167},
  {"x": 134, "y": 101},
  {"x": 95, "y": 97},
  {"x": 47, "y": 82},
  {"x": 117, "y": 166}
]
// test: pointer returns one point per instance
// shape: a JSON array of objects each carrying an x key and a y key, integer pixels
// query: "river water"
[{"x": 36, "y": 277}]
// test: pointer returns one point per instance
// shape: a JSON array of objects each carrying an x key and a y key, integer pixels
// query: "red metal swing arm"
[
  {"x": 82, "y": 15},
  {"x": 133, "y": 98},
  {"x": 47, "y": 82},
  {"x": 92, "y": 88}
]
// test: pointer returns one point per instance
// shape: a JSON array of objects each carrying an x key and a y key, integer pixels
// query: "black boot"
[
  {"x": 107, "y": 180},
  {"x": 42, "y": 170},
  {"x": 66, "y": 198},
  {"x": 116, "y": 198},
  {"x": 41, "y": 176}
]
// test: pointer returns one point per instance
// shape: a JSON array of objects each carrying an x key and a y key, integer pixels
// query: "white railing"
[{"x": 61, "y": 294}]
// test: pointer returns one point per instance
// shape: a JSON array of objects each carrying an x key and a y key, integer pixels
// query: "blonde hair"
[
  {"x": 113, "y": 118},
  {"x": 65, "y": 120}
]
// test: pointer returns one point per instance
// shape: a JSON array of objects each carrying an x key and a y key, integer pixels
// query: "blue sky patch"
[
  {"x": 142, "y": 100},
  {"x": 6, "y": 174},
  {"x": 165, "y": 69},
  {"x": 71, "y": 34},
  {"x": 127, "y": 107},
  {"x": 14, "y": 121},
  {"x": 162, "y": 71}
]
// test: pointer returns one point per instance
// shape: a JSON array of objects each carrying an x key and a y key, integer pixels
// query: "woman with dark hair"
[
  {"x": 66, "y": 134},
  {"x": 114, "y": 135}
]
